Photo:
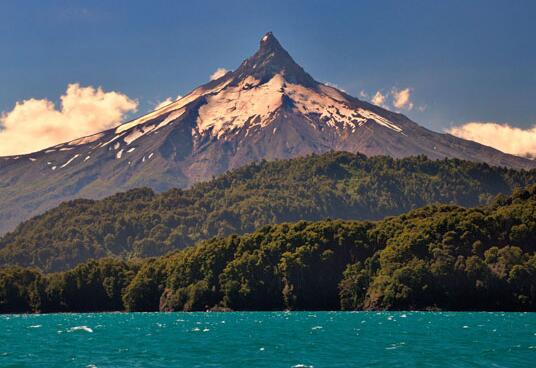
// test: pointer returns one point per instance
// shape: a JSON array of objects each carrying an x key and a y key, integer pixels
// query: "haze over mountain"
[{"x": 268, "y": 108}]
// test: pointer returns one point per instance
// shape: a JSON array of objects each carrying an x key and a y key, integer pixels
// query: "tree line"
[
  {"x": 439, "y": 257},
  {"x": 141, "y": 223}
]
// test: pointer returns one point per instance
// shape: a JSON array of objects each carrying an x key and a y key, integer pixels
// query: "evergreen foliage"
[
  {"x": 440, "y": 257},
  {"x": 140, "y": 223}
]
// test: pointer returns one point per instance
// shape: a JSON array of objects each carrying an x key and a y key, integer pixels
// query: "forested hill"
[
  {"x": 439, "y": 257},
  {"x": 140, "y": 223}
]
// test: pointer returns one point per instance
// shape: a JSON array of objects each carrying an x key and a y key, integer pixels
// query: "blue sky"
[{"x": 463, "y": 60}]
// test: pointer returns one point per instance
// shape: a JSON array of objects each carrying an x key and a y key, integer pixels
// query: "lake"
[{"x": 269, "y": 339}]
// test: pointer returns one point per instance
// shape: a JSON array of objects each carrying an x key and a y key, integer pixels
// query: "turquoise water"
[{"x": 277, "y": 339}]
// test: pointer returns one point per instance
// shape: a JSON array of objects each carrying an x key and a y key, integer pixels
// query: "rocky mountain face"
[{"x": 268, "y": 108}]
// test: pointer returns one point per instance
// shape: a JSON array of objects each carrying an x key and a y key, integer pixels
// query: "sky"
[{"x": 69, "y": 68}]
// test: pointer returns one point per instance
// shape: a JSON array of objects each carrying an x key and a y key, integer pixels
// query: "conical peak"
[
  {"x": 269, "y": 42},
  {"x": 267, "y": 36},
  {"x": 270, "y": 50},
  {"x": 271, "y": 59}
]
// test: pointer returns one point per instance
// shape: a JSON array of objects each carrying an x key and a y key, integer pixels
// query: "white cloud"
[
  {"x": 504, "y": 137},
  {"x": 166, "y": 102},
  {"x": 402, "y": 98},
  {"x": 395, "y": 98},
  {"x": 378, "y": 98},
  {"x": 35, "y": 124},
  {"x": 220, "y": 72}
]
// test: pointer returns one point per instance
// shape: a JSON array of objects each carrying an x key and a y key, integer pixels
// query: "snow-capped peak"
[{"x": 253, "y": 94}]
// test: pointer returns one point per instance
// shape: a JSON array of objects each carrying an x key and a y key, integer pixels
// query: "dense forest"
[
  {"x": 140, "y": 223},
  {"x": 433, "y": 258}
]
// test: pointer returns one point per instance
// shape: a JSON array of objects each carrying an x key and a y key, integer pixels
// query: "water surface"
[{"x": 272, "y": 339}]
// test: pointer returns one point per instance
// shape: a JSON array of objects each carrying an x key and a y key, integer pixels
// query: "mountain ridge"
[{"x": 268, "y": 108}]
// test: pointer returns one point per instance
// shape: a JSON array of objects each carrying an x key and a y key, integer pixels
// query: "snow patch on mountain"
[
  {"x": 249, "y": 101},
  {"x": 69, "y": 161},
  {"x": 133, "y": 135},
  {"x": 252, "y": 103},
  {"x": 110, "y": 141},
  {"x": 378, "y": 119},
  {"x": 333, "y": 93},
  {"x": 177, "y": 105}
]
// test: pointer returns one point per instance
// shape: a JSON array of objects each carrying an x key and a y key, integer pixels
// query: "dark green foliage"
[
  {"x": 92, "y": 286},
  {"x": 455, "y": 258},
  {"x": 353, "y": 287},
  {"x": 436, "y": 257},
  {"x": 20, "y": 290},
  {"x": 140, "y": 223},
  {"x": 143, "y": 293}
]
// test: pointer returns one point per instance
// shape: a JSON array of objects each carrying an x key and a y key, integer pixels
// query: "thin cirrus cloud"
[
  {"x": 220, "y": 72},
  {"x": 36, "y": 124},
  {"x": 504, "y": 137}
]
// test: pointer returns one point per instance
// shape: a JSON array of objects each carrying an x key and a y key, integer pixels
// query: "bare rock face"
[{"x": 268, "y": 108}]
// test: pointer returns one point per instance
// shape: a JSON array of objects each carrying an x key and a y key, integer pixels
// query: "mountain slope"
[
  {"x": 268, "y": 108},
  {"x": 334, "y": 185}
]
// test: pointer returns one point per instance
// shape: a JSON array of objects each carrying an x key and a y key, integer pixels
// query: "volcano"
[{"x": 268, "y": 108}]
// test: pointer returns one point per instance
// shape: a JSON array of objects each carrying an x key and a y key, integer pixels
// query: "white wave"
[
  {"x": 80, "y": 328},
  {"x": 395, "y": 346}
]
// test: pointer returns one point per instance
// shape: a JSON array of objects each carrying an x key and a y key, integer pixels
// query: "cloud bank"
[
  {"x": 504, "y": 137},
  {"x": 35, "y": 124}
]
